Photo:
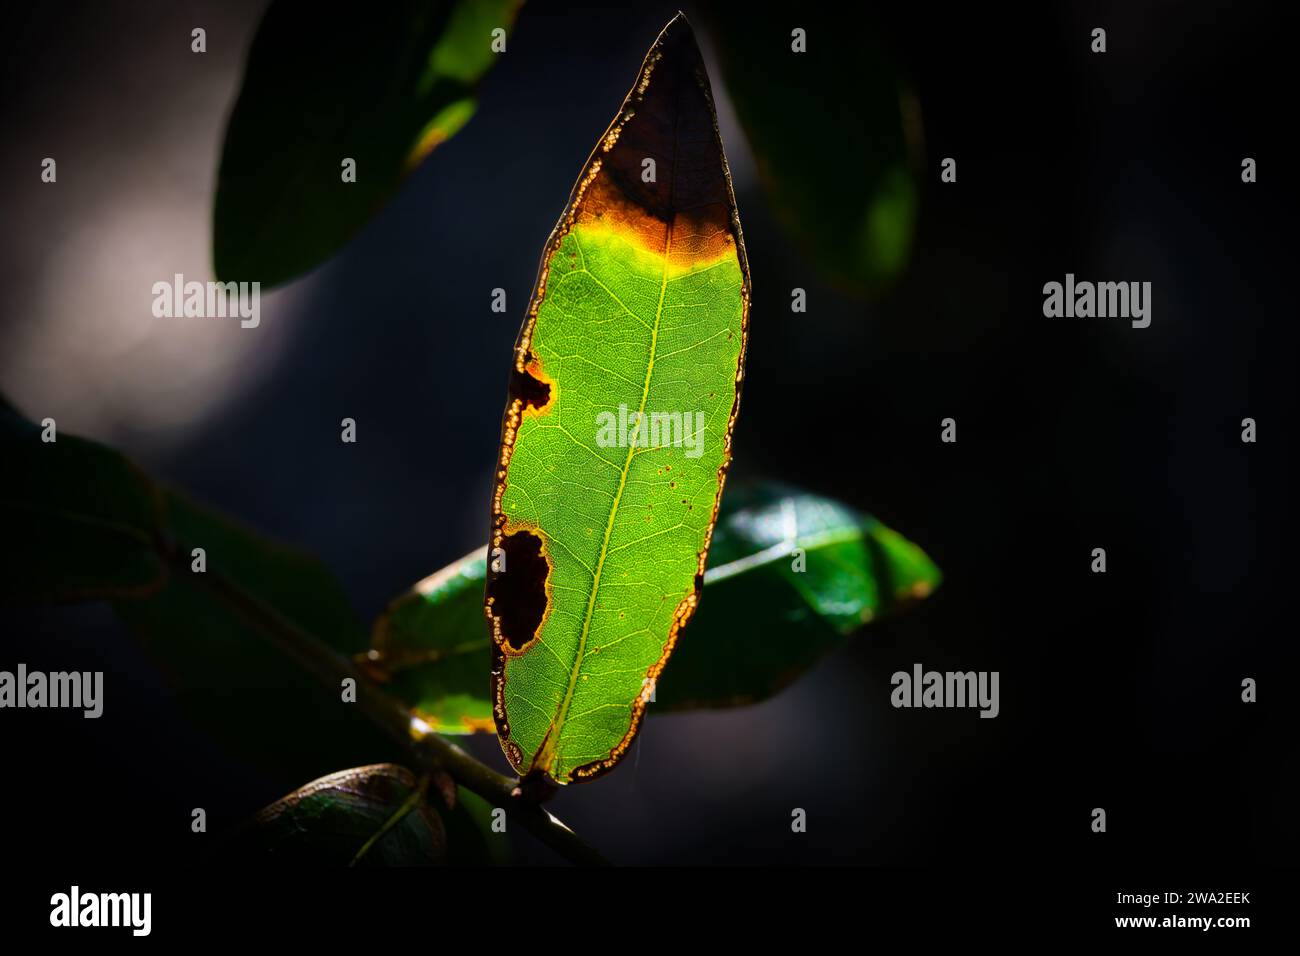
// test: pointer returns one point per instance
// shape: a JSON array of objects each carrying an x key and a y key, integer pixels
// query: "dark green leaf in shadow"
[
  {"x": 228, "y": 678},
  {"x": 331, "y": 821},
  {"x": 83, "y": 523},
  {"x": 835, "y": 133},
  {"x": 80, "y": 520},
  {"x": 471, "y": 841},
  {"x": 382, "y": 86},
  {"x": 760, "y": 623}
]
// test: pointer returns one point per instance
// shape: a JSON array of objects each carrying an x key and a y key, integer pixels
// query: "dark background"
[{"x": 1120, "y": 691}]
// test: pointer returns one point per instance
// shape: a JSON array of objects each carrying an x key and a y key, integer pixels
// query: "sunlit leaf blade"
[
  {"x": 835, "y": 133},
  {"x": 760, "y": 623},
  {"x": 326, "y": 822},
  {"x": 84, "y": 523},
  {"x": 640, "y": 308},
  {"x": 383, "y": 86}
]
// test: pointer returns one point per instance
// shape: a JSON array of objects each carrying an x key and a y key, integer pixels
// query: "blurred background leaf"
[
  {"x": 835, "y": 133},
  {"x": 229, "y": 680},
  {"x": 328, "y": 821},
  {"x": 382, "y": 89},
  {"x": 759, "y": 626},
  {"x": 83, "y": 523},
  {"x": 80, "y": 520}
]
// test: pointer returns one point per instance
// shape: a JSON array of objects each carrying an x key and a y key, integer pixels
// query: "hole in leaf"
[
  {"x": 534, "y": 392},
  {"x": 519, "y": 593}
]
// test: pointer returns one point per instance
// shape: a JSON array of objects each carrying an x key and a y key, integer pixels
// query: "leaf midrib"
[{"x": 549, "y": 747}]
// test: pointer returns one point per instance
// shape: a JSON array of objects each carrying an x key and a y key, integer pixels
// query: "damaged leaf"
[
  {"x": 617, "y": 431},
  {"x": 760, "y": 625}
]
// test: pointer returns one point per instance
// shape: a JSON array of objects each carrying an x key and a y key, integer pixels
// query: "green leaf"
[
  {"x": 759, "y": 626},
  {"x": 383, "y": 88},
  {"x": 640, "y": 309},
  {"x": 764, "y": 622},
  {"x": 850, "y": 202},
  {"x": 83, "y": 523},
  {"x": 430, "y": 649},
  {"x": 80, "y": 520},
  {"x": 471, "y": 841},
  {"x": 329, "y": 821},
  {"x": 229, "y": 679}
]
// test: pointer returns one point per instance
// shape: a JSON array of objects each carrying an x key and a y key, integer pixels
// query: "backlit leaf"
[
  {"x": 640, "y": 309},
  {"x": 759, "y": 626}
]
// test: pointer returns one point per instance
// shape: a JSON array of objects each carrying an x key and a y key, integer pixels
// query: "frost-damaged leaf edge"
[{"x": 516, "y": 399}]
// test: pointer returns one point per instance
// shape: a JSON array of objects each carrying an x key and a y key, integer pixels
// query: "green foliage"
[
  {"x": 642, "y": 306},
  {"x": 617, "y": 433},
  {"x": 333, "y": 821},
  {"x": 790, "y": 577},
  {"x": 853, "y": 206},
  {"x": 760, "y": 623},
  {"x": 383, "y": 89},
  {"x": 431, "y": 650},
  {"x": 84, "y": 523},
  {"x": 206, "y": 630},
  {"x": 81, "y": 522}
]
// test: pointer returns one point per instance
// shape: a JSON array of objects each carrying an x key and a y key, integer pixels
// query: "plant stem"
[{"x": 428, "y": 750}]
